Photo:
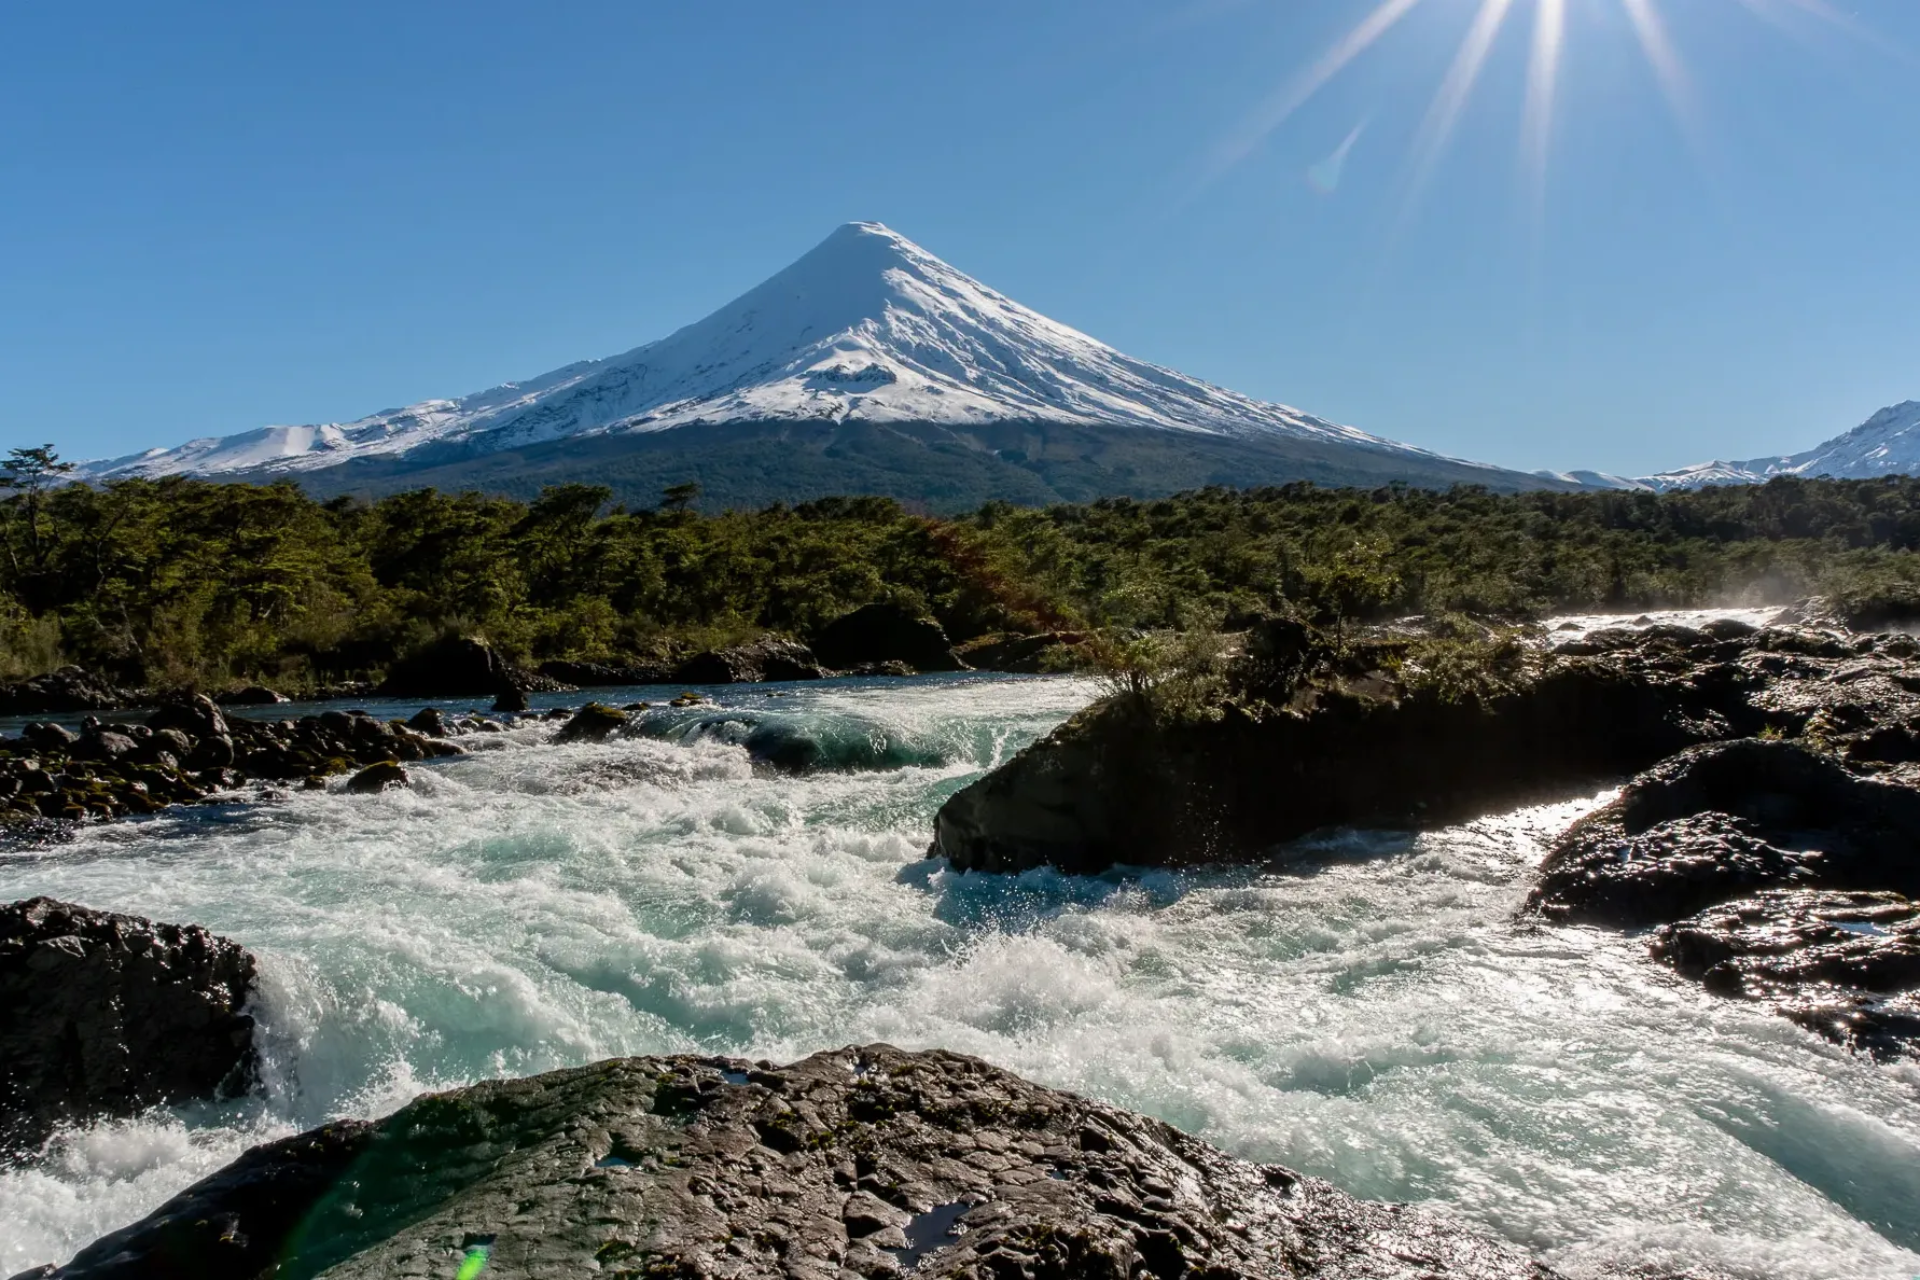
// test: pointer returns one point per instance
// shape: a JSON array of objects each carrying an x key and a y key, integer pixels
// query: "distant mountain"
[
  {"x": 1887, "y": 444},
  {"x": 868, "y": 366}
]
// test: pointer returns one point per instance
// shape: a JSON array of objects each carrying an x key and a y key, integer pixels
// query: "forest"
[{"x": 180, "y": 582}]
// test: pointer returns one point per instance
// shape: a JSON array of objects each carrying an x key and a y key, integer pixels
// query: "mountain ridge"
[{"x": 866, "y": 330}]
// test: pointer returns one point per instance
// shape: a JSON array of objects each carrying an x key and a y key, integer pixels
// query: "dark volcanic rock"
[
  {"x": 194, "y": 714},
  {"x": 886, "y": 632},
  {"x": 1386, "y": 745},
  {"x": 1846, "y": 965},
  {"x": 511, "y": 702},
  {"x": 105, "y": 1015},
  {"x": 591, "y": 723},
  {"x": 765, "y": 660},
  {"x": 1723, "y": 821},
  {"x": 459, "y": 666},
  {"x": 863, "y": 1162},
  {"x": 376, "y": 778},
  {"x": 67, "y": 689},
  {"x": 253, "y": 695}
]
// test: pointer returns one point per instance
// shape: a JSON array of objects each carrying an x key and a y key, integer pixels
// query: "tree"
[
  {"x": 678, "y": 497},
  {"x": 33, "y": 471}
]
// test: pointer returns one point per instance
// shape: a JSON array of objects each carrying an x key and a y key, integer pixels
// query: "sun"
[{"x": 1488, "y": 18}]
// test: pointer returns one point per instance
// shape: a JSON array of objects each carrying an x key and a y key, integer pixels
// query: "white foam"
[{"x": 1381, "y": 1021}]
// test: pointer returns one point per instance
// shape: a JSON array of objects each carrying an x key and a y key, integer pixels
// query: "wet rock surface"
[
  {"x": 868, "y": 1162},
  {"x": 1722, "y": 821},
  {"x": 1380, "y": 747},
  {"x": 592, "y": 723},
  {"x": 106, "y": 1015},
  {"x": 1846, "y": 965}
]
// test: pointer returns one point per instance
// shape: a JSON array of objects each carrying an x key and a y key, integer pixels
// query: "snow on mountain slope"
[
  {"x": 1886, "y": 444},
  {"x": 867, "y": 327}
]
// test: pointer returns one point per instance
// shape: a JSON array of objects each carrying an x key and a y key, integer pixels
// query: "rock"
[
  {"x": 46, "y": 736},
  {"x": 1363, "y": 738},
  {"x": 591, "y": 723},
  {"x": 1722, "y": 822},
  {"x": 67, "y": 689},
  {"x": 1021, "y": 655},
  {"x": 603, "y": 675},
  {"x": 193, "y": 714},
  {"x": 764, "y": 660},
  {"x": 892, "y": 669},
  {"x": 376, "y": 778},
  {"x": 106, "y": 1015},
  {"x": 1845, "y": 965},
  {"x": 856, "y": 1163},
  {"x": 886, "y": 632},
  {"x": 253, "y": 695},
  {"x": 459, "y": 666},
  {"x": 511, "y": 702},
  {"x": 430, "y": 721}
]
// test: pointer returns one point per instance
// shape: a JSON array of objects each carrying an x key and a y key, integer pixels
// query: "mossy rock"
[
  {"x": 376, "y": 778},
  {"x": 592, "y": 723}
]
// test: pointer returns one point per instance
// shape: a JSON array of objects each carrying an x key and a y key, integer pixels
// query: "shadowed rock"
[
  {"x": 106, "y": 1015},
  {"x": 865, "y": 1162},
  {"x": 886, "y": 632},
  {"x": 591, "y": 723}
]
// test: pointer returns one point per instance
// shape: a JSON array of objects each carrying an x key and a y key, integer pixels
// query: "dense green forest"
[{"x": 182, "y": 581}]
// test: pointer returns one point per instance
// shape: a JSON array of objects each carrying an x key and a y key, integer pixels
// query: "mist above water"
[{"x": 1382, "y": 1021}]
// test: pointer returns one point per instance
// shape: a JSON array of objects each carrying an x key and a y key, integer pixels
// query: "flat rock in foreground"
[
  {"x": 869, "y": 1162},
  {"x": 106, "y": 1015}
]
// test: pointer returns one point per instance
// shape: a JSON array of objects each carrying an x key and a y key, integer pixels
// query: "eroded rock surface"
[
  {"x": 1846, "y": 965},
  {"x": 1391, "y": 744},
  {"x": 884, "y": 632},
  {"x": 106, "y": 1015},
  {"x": 868, "y": 1162},
  {"x": 1722, "y": 821}
]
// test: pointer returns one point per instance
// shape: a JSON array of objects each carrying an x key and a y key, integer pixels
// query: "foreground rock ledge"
[
  {"x": 107, "y": 1015},
  {"x": 864, "y": 1162}
]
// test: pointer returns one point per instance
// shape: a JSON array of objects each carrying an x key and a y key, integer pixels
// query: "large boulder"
[
  {"x": 1725, "y": 821},
  {"x": 253, "y": 695},
  {"x": 458, "y": 666},
  {"x": 1845, "y": 965},
  {"x": 106, "y": 1015},
  {"x": 886, "y": 632},
  {"x": 592, "y": 723},
  {"x": 1393, "y": 734},
  {"x": 869, "y": 1162},
  {"x": 66, "y": 689},
  {"x": 765, "y": 660}
]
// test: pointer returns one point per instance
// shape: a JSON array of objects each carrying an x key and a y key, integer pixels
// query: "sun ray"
[
  {"x": 1278, "y": 109},
  {"x": 1443, "y": 116},
  {"x": 1651, "y": 30},
  {"x": 1543, "y": 82},
  {"x": 1847, "y": 24}
]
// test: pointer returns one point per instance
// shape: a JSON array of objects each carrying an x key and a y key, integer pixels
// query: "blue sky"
[{"x": 219, "y": 215}]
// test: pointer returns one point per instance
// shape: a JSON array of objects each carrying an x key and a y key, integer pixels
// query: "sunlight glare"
[
  {"x": 1280, "y": 108},
  {"x": 1543, "y": 76},
  {"x": 1651, "y": 30},
  {"x": 1444, "y": 114}
]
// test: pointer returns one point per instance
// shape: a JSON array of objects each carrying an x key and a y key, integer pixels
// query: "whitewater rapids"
[{"x": 1381, "y": 1021}]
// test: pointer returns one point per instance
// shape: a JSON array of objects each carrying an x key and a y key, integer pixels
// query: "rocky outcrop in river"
[
  {"x": 1379, "y": 740},
  {"x": 106, "y": 1015},
  {"x": 865, "y": 1162},
  {"x": 67, "y": 689}
]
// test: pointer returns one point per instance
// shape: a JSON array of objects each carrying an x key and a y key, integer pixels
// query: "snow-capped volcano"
[
  {"x": 866, "y": 328},
  {"x": 1886, "y": 444}
]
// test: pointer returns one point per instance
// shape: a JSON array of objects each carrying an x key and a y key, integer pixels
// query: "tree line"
[{"x": 178, "y": 581}]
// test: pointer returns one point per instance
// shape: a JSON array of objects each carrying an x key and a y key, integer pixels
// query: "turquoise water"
[{"x": 1382, "y": 1021}]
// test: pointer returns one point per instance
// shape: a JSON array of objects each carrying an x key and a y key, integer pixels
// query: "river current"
[{"x": 1380, "y": 1019}]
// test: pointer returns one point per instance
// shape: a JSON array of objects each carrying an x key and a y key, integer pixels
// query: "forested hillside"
[{"x": 181, "y": 581}]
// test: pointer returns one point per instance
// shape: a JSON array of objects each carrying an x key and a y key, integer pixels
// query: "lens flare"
[{"x": 1645, "y": 19}]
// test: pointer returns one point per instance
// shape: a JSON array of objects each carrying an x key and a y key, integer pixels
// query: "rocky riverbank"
[
  {"x": 863, "y": 1162},
  {"x": 1780, "y": 760},
  {"x": 107, "y": 1015}
]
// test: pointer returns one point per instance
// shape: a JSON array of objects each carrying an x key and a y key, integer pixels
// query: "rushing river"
[{"x": 1381, "y": 1021}]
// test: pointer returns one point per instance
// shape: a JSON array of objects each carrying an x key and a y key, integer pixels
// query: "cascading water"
[{"x": 1380, "y": 1019}]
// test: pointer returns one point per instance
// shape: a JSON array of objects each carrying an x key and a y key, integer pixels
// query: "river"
[{"x": 1381, "y": 1020}]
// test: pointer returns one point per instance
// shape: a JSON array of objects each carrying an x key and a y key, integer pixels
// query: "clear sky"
[{"x": 217, "y": 215}]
